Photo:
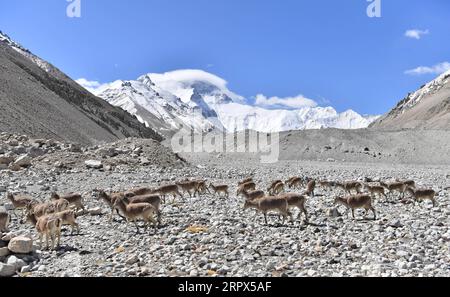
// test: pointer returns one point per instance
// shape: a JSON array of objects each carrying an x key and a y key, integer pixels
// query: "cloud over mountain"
[{"x": 435, "y": 69}]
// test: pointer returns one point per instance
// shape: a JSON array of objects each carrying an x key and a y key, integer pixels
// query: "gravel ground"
[{"x": 207, "y": 236}]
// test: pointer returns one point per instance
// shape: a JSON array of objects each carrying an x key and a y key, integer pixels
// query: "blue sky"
[{"x": 326, "y": 50}]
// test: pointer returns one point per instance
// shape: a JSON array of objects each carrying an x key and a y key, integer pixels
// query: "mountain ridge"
[
  {"x": 215, "y": 107},
  {"x": 39, "y": 100},
  {"x": 426, "y": 108}
]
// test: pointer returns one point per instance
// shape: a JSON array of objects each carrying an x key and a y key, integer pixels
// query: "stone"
[
  {"x": 4, "y": 251},
  {"x": 93, "y": 164},
  {"x": 132, "y": 260},
  {"x": 14, "y": 167},
  {"x": 16, "y": 262},
  {"x": 7, "y": 270},
  {"x": 402, "y": 265},
  {"x": 75, "y": 148},
  {"x": 23, "y": 161},
  {"x": 6, "y": 160},
  {"x": 110, "y": 152},
  {"x": 96, "y": 211},
  {"x": 21, "y": 245},
  {"x": 395, "y": 224},
  {"x": 25, "y": 269},
  {"x": 333, "y": 213},
  {"x": 35, "y": 152}
]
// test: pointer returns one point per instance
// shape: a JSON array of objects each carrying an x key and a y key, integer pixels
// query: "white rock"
[
  {"x": 96, "y": 211},
  {"x": 16, "y": 262},
  {"x": 25, "y": 269},
  {"x": 21, "y": 245},
  {"x": 93, "y": 164}
]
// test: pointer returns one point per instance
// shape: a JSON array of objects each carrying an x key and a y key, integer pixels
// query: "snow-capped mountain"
[
  {"x": 428, "y": 107},
  {"x": 237, "y": 117},
  {"x": 203, "y": 101},
  {"x": 155, "y": 106}
]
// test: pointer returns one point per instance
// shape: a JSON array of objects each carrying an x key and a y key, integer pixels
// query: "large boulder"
[{"x": 21, "y": 245}]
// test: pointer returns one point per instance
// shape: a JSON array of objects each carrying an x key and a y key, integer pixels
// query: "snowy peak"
[
  {"x": 202, "y": 101},
  {"x": 191, "y": 84},
  {"x": 148, "y": 102},
  {"x": 147, "y": 81},
  {"x": 6, "y": 39}
]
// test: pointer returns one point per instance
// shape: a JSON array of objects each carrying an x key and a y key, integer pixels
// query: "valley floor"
[{"x": 215, "y": 236}]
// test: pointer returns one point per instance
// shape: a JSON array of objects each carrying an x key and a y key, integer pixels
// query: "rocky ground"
[{"x": 214, "y": 236}]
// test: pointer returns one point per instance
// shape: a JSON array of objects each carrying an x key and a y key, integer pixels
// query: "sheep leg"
[
  {"x": 58, "y": 234},
  {"x": 306, "y": 214},
  {"x": 292, "y": 217},
  {"x": 52, "y": 238},
  {"x": 159, "y": 215},
  {"x": 374, "y": 213},
  {"x": 111, "y": 215},
  {"x": 137, "y": 227},
  {"x": 40, "y": 240},
  {"x": 265, "y": 218},
  {"x": 153, "y": 221},
  {"x": 47, "y": 233},
  {"x": 179, "y": 194}
]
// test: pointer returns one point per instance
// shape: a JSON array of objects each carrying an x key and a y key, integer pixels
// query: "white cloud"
[
  {"x": 296, "y": 102},
  {"x": 175, "y": 82},
  {"x": 435, "y": 69},
  {"x": 90, "y": 85},
  {"x": 416, "y": 34}
]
